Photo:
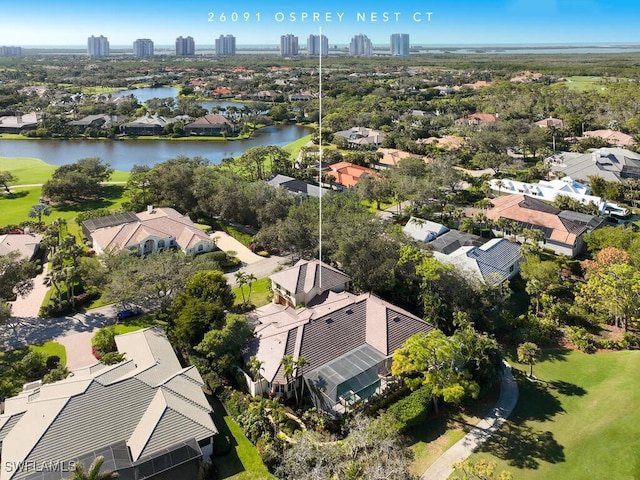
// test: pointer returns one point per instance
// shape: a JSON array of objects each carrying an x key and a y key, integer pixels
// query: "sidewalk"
[{"x": 442, "y": 468}]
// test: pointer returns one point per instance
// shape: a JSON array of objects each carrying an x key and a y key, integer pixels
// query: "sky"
[{"x": 438, "y": 22}]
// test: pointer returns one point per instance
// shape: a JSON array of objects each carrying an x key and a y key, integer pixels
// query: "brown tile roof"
[
  {"x": 342, "y": 323},
  {"x": 305, "y": 275},
  {"x": 530, "y": 211}
]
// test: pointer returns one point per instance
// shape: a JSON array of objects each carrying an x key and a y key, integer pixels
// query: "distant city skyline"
[{"x": 462, "y": 22}]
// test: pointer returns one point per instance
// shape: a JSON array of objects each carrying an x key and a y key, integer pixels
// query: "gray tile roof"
[
  {"x": 150, "y": 402},
  {"x": 497, "y": 261}
]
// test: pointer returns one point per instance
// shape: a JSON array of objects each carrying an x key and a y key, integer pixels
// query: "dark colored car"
[{"x": 128, "y": 313}]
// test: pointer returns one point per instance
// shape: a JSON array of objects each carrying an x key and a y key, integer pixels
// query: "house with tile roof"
[
  {"x": 550, "y": 122},
  {"x": 563, "y": 229},
  {"x": 26, "y": 244},
  {"x": 550, "y": 190},
  {"x": 493, "y": 262},
  {"x": 610, "y": 163},
  {"x": 362, "y": 137},
  {"x": 153, "y": 230},
  {"x": 295, "y": 186},
  {"x": 613, "y": 137},
  {"x": 347, "y": 175},
  {"x": 423, "y": 230},
  {"x": 147, "y": 125},
  {"x": 211, "y": 125},
  {"x": 347, "y": 341},
  {"x": 306, "y": 280},
  {"x": 147, "y": 416},
  {"x": 391, "y": 157},
  {"x": 477, "y": 119}
]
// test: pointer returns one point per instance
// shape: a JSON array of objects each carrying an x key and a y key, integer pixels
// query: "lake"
[
  {"x": 144, "y": 94},
  {"x": 124, "y": 154}
]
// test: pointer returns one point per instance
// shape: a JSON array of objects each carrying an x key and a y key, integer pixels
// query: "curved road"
[{"x": 442, "y": 468}]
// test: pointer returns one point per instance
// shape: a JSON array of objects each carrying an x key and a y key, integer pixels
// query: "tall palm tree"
[
  {"x": 38, "y": 210},
  {"x": 94, "y": 473},
  {"x": 528, "y": 352},
  {"x": 289, "y": 367},
  {"x": 300, "y": 364},
  {"x": 255, "y": 366}
]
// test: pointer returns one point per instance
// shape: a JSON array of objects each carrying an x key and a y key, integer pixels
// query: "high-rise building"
[
  {"x": 317, "y": 45},
  {"x": 10, "y": 51},
  {"x": 400, "y": 44},
  {"x": 185, "y": 46},
  {"x": 226, "y": 45},
  {"x": 98, "y": 46},
  {"x": 288, "y": 45},
  {"x": 361, "y": 46},
  {"x": 143, "y": 47}
]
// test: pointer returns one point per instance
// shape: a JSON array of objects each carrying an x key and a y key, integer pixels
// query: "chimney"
[
  {"x": 149, "y": 208},
  {"x": 595, "y": 156}
]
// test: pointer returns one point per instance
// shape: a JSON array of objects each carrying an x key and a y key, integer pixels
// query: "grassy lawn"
[
  {"x": 260, "y": 292},
  {"x": 237, "y": 458},
  {"x": 133, "y": 325},
  {"x": 15, "y": 206},
  {"x": 27, "y": 170},
  {"x": 579, "y": 420},
  {"x": 51, "y": 348},
  {"x": 587, "y": 83},
  {"x": 429, "y": 441},
  {"x": 294, "y": 147}
]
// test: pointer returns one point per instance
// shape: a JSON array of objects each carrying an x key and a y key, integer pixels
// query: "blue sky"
[{"x": 476, "y": 22}]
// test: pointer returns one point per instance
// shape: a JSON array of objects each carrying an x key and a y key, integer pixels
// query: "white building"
[
  {"x": 400, "y": 45},
  {"x": 143, "y": 47},
  {"x": 185, "y": 46},
  {"x": 318, "y": 45},
  {"x": 226, "y": 45},
  {"x": 360, "y": 46},
  {"x": 551, "y": 190},
  {"x": 98, "y": 46},
  {"x": 288, "y": 45}
]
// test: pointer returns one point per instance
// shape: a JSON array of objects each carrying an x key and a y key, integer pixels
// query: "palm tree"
[
  {"x": 94, "y": 471},
  {"x": 38, "y": 210},
  {"x": 300, "y": 364},
  {"x": 241, "y": 280},
  {"x": 255, "y": 366},
  {"x": 528, "y": 352},
  {"x": 289, "y": 367},
  {"x": 250, "y": 278}
]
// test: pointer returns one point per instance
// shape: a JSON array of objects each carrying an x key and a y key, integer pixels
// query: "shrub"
[
  {"x": 112, "y": 358},
  {"x": 630, "y": 340},
  {"x": 582, "y": 339},
  {"x": 53, "y": 362},
  {"x": 55, "y": 375},
  {"x": 34, "y": 365},
  {"x": 412, "y": 410},
  {"x": 104, "y": 341}
]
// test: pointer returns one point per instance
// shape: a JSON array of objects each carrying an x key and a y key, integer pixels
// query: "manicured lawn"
[
  {"x": 260, "y": 292},
  {"x": 237, "y": 457},
  {"x": 586, "y": 83},
  {"x": 27, "y": 170},
  {"x": 133, "y": 325},
  {"x": 51, "y": 348},
  {"x": 439, "y": 432},
  {"x": 294, "y": 147},
  {"x": 579, "y": 420}
]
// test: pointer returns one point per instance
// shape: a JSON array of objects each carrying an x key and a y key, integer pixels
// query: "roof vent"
[{"x": 329, "y": 320}]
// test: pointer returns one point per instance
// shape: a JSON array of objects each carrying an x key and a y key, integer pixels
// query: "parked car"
[{"x": 128, "y": 313}]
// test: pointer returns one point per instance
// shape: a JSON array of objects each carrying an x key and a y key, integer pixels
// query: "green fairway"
[
  {"x": 587, "y": 83},
  {"x": 579, "y": 420},
  {"x": 27, "y": 170}
]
